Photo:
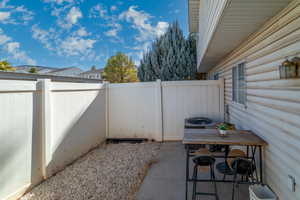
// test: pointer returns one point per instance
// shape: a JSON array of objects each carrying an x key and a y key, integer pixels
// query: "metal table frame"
[{"x": 259, "y": 180}]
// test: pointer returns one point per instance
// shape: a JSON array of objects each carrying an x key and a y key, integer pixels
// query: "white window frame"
[{"x": 239, "y": 89}]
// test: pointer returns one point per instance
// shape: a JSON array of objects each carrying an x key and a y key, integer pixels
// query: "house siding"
[{"x": 273, "y": 105}]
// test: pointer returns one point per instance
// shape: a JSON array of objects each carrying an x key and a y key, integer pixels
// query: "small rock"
[{"x": 111, "y": 172}]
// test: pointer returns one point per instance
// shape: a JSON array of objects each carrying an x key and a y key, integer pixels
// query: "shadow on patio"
[{"x": 166, "y": 178}]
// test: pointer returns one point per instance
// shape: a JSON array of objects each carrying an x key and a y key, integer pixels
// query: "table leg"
[
  {"x": 260, "y": 164},
  {"x": 254, "y": 160},
  {"x": 187, "y": 171}
]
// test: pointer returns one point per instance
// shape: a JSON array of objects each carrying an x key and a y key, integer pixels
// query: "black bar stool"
[
  {"x": 242, "y": 167},
  {"x": 225, "y": 167},
  {"x": 204, "y": 161}
]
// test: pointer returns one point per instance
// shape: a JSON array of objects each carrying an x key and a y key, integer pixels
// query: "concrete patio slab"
[{"x": 166, "y": 179}]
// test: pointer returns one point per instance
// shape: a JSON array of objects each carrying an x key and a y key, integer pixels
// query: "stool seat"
[
  {"x": 224, "y": 168},
  {"x": 204, "y": 160},
  {"x": 243, "y": 167}
]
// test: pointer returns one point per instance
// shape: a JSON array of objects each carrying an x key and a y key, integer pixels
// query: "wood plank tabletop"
[{"x": 212, "y": 136}]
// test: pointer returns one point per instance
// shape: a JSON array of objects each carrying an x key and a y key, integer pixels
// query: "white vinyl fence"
[
  {"x": 183, "y": 99},
  {"x": 78, "y": 121},
  {"x": 135, "y": 110},
  {"x": 156, "y": 110},
  {"x": 44, "y": 126},
  {"x": 20, "y": 143}
]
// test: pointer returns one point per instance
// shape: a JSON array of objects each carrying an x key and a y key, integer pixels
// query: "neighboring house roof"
[
  {"x": 35, "y": 77},
  {"x": 26, "y": 68},
  {"x": 67, "y": 71},
  {"x": 224, "y": 24},
  {"x": 70, "y": 71},
  {"x": 97, "y": 71}
]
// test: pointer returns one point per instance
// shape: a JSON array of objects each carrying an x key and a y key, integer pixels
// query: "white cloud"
[
  {"x": 113, "y": 8},
  {"x": 98, "y": 10},
  {"x": 141, "y": 21},
  {"x": 13, "y": 49},
  {"x": 73, "y": 16},
  {"x": 147, "y": 30},
  {"x": 58, "y": 1},
  {"x": 74, "y": 46},
  {"x": 12, "y": 46},
  {"x": 111, "y": 21},
  {"x": 4, "y": 16},
  {"x": 3, "y": 38},
  {"x": 67, "y": 16},
  {"x": 43, "y": 36},
  {"x": 26, "y": 14},
  {"x": 14, "y": 14},
  {"x": 82, "y": 32},
  {"x": 113, "y": 32},
  {"x": 161, "y": 28},
  {"x": 76, "y": 43}
]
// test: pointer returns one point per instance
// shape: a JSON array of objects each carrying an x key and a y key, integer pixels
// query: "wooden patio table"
[{"x": 212, "y": 137}]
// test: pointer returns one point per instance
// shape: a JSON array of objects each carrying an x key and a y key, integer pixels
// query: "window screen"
[
  {"x": 216, "y": 76},
  {"x": 239, "y": 84}
]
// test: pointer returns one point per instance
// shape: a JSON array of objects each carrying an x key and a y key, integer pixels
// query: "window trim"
[{"x": 233, "y": 90}]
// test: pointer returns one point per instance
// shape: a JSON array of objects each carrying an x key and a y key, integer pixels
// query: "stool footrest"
[{"x": 206, "y": 193}]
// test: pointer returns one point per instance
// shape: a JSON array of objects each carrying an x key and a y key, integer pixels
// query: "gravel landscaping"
[{"x": 110, "y": 172}]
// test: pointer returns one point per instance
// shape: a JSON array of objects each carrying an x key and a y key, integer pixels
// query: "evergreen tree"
[{"x": 171, "y": 57}]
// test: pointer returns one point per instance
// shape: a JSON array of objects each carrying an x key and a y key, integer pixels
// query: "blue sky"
[{"x": 82, "y": 33}]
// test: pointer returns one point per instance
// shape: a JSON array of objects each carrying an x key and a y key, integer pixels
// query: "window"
[
  {"x": 239, "y": 84},
  {"x": 216, "y": 76}
]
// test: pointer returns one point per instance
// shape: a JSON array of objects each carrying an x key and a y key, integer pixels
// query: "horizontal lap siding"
[{"x": 273, "y": 105}]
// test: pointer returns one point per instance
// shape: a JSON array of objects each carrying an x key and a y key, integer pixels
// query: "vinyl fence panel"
[
  {"x": 156, "y": 110},
  {"x": 135, "y": 110},
  {"x": 20, "y": 149},
  {"x": 44, "y": 127},
  {"x": 183, "y": 99},
  {"x": 77, "y": 121}
]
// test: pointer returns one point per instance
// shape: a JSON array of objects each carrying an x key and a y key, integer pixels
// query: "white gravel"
[{"x": 111, "y": 172}]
